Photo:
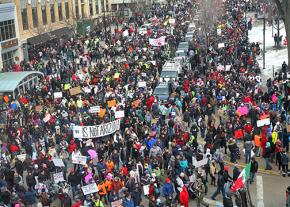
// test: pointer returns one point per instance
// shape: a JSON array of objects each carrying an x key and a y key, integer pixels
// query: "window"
[
  {"x": 24, "y": 18},
  {"x": 52, "y": 13},
  {"x": 97, "y": 6},
  {"x": 34, "y": 17},
  {"x": 91, "y": 8},
  {"x": 7, "y": 30},
  {"x": 8, "y": 59},
  {"x": 82, "y": 8},
  {"x": 44, "y": 19},
  {"x": 60, "y": 12},
  {"x": 102, "y": 5},
  {"x": 67, "y": 10},
  {"x": 77, "y": 9}
]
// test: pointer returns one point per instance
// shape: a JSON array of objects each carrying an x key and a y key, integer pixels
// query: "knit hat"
[
  {"x": 167, "y": 180},
  {"x": 268, "y": 144}
]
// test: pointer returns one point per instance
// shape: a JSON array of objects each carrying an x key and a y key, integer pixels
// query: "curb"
[{"x": 267, "y": 172}]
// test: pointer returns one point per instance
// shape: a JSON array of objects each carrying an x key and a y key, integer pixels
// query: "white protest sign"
[
  {"x": 157, "y": 42},
  {"x": 117, "y": 203},
  {"x": 219, "y": 32},
  {"x": 58, "y": 177},
  {"x": 87, "y": 90},
  {"x": 263, "y": 122},
  {"x": 199, "y": 163},
  {"x": 57, "y": 95},
  {"x": 221, "y": 45},
  {"x": 171, "y": 21},
  {"x": 119, "y": 114},
  {"x": 126, "y": 33},
  {"x": 86, "y": 132},
  {"x": 47, "y": 118},
  {"x": 228, "y": 67},
  {"x": 58, "y": 162},
  {"x": 142, "y": 84},
  {"x": 78, "y": 159},
  {"x": 89, "y": 189},
  {"x": 21, "y": 157},
  {"x": 146, "y": 189},
  {"x": 95, "y": 109}
]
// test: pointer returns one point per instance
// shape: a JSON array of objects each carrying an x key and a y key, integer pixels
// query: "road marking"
[{"x": 260, "y": 193}]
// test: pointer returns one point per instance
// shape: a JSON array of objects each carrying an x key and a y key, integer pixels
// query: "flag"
[{"x": 240, "y": 182}]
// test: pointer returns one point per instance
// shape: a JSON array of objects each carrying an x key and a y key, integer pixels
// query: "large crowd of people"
[{"x": 215, "y": 105}]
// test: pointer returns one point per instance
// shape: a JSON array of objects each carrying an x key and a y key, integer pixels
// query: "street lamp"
[{"x": 264, "y": 17}]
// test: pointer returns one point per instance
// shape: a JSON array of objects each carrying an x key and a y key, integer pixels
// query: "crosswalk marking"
[{"x": 260, "y": 193}]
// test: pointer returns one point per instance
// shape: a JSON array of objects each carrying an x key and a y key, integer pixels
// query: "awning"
[{"x": 48, "y": 36}]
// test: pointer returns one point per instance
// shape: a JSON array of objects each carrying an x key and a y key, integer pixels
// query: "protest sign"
[
  {"x": 87, "y": 90},
  {"x": 171, "y": 21},
  {"x": 228, "y": 67},
  {"x": 146, "y": 189},
  {"x": 95, "y": 109},
  {"x": 263, "y": 122},
  {"x": 78, "y": 159},
  {"x": 157, "y": 42},
  {"x": 57, "y": 95},
  {"x": 87, "y": 132},
  {"x": 200, "y": 163},
  {"x": 58, "y": 177},
  {"x": 221, "y": 45},
  {"x": 89, "y": 189},
  {"x": 21, "y": 157},
  {"x": 219, "y": 32},
  {"x": 112, "y": 103},
  {"x": 142, "y": 84},
  {"x": 75, "y": 91},
  {"x": 117, "y": 203},
  {"x": 119, "y": 114},
  {"x": 58, "y": 162},
  {"x": 46, "y": 118}
]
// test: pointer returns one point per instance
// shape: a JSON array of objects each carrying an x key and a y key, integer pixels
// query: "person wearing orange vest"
[
  {"x": 110, "y": 166},
  {"x": 102, "y": 191},
  {"x": 108, "y": 184},
  {"x": 257, "y": 141}
]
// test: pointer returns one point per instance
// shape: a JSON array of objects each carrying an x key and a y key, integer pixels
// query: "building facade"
[
  {"x": 9, "y": 35},
  {"x": 41, "y": 21}
]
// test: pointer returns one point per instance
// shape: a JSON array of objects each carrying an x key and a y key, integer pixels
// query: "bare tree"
[{"x": 283, "y": 7}]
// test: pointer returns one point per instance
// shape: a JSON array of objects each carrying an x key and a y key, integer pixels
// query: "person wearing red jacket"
[
  {"x": 186, "y": 86},
  {"x": 248, "y": 128},
  {"x": 184, "y": 197}
]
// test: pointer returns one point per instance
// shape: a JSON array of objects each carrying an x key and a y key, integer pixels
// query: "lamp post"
[{"x": 264, "y": 16}]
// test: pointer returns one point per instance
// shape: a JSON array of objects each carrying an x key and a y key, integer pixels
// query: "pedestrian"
[
  {"x": 284, "y": 162},
  {"x": 267, "y": 156},
  {"x": 200, "y": 193},
  {"x": 184, "y": 197},
  {"x": 128, "y": 201},
  {"x": 220, "y": 185},
  {"x": 236, "y": 173},
  {"x": 253, "y": 170}
]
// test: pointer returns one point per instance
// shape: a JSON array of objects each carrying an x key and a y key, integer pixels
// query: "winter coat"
[
  {"x": 184, "y": 197},
  {"x": 284, "y": 159},
  {"x": 128, "y": 203},
  {"x": 167, "y": 189}
]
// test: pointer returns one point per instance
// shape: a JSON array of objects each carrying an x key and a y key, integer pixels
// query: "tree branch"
[{"x": 279, "y": 7}]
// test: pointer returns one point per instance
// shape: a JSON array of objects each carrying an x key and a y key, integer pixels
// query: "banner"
[
  {"x": 263, "y": 122},
  {"x": 200, "y": 163},
  {"x": 78, "y": 159},
  {"x": 157, "y": 42},
  {"x": 86, "y": 132},
  {"x": 58, "y": 177},
  {"x": 89, "y": 189}
]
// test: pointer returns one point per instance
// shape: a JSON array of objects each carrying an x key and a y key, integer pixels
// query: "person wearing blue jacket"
[
  {"x": 167, "y": 188},
  {"x": 128, "y": 201}
]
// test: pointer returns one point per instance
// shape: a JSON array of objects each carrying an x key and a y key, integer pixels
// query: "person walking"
[
  {"x": 267, "y": 155},
  {"x": 253, "y": 170},
  {"x": 220, "y": 185},
  {"x": 184, "y": 197},
  {"x": 200, "y": 193}
]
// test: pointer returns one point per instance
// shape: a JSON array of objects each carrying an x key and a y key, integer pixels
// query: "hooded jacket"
[
  {"x": 167, "y": 189},
  {"x": 184, "y": 197}
]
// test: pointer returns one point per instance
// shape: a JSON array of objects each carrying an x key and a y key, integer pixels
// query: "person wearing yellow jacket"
[{"x": 274, "y": 137}]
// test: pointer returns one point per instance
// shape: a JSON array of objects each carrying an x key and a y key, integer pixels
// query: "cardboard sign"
[
  {"x": 38, "y": 108},
  {"x": 112, "y": 103},
  {"x": 21, "y": 157},
  {"x": 75, "y": 91},
  {"x": 288, "y": 128},
  {"x": 58, "y": 177},
  {"x": 58, "y": 162},
  {"x": 94, "y": 109},
  {"x": 57, "y": 95},
  {"x": 89, "y": 189},
  {"x": 117, "y": 203},
  {"x": 263, "y": 122},
  {"x": 119, "y": 114},
  {"x": 78, "y": 159}
]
